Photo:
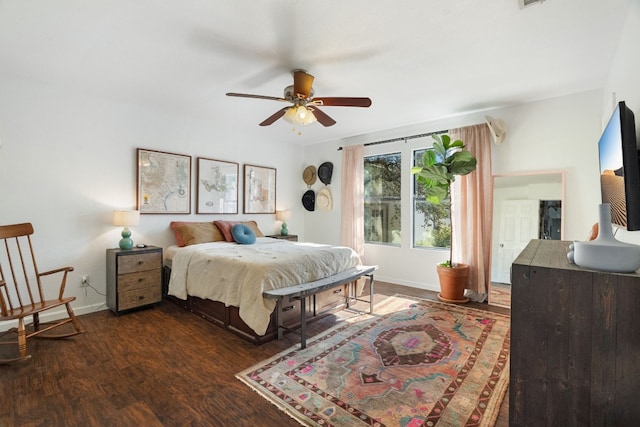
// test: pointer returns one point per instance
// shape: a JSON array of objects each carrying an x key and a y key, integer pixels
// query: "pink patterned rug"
[{"x": 413, "y": 363}]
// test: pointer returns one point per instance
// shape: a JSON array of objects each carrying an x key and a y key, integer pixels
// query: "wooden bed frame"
[{"x": 316, "y": 306}]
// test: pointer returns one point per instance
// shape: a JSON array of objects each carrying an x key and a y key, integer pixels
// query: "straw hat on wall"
[{"x": 324, "y": 200}]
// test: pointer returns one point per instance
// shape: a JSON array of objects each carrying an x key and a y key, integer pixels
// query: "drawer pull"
[
  {"x": 287, "y": 308},
  {"x": 337, "y": 291},
  {"x": 141, "y": 279},
  {"x": 140, "y": 262}
]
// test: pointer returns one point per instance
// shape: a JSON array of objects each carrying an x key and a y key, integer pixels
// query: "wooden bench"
[{"x": 301, "y": 292}]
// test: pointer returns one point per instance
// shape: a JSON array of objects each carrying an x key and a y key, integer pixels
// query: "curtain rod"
[{"x": 404, "y": 138}]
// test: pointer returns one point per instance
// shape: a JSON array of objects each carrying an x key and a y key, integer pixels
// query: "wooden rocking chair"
[{"x": 26, "y": 297}]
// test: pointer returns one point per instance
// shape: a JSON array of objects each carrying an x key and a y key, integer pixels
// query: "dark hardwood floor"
[{"x": 161, "y": 366}]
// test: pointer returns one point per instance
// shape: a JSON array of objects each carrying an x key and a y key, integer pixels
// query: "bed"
[{"x": 223, "y": 281}]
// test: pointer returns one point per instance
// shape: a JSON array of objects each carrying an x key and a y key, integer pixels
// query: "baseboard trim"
[{"x": 57, "y": 314}]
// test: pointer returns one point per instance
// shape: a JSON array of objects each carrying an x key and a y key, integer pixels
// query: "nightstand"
[
  {"x": 290, "y": 237},
  {"x": 134, "y": 278}
]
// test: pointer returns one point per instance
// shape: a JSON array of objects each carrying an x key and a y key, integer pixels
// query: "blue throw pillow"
[{"x": 243, "y": 234}]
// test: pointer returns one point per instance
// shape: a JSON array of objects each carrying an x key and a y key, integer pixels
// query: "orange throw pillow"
[{"x": 191, "y": 233}]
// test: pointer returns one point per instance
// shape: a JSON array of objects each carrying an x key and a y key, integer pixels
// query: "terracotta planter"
[{"x": 453, "y": 281}]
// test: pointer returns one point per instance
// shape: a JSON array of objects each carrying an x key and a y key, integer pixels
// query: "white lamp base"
[{"x": 605, "y": 253}]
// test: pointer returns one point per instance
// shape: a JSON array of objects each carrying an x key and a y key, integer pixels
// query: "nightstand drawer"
[
  {"x": 138, "y": 280},
  {"x": 139, "y": 262},
  {"x": 139, "y": 297}
]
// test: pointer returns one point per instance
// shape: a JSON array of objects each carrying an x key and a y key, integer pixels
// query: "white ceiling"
[{"x": 418, "y": 60}]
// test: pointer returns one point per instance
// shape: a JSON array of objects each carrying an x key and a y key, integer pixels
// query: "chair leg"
[
  {"x": 73, "y": 318},
  {"x": 22, "y": 338},
  {"x": 22, "y": 343},
  {"x": 43, "y": 333},
  {"x": 36, "y": 321}
]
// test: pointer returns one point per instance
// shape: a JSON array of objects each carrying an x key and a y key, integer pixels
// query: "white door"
[{"x": 518, "y": 225}]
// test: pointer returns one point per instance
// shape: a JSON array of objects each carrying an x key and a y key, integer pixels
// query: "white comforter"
[{"x": 238, "y": 274}]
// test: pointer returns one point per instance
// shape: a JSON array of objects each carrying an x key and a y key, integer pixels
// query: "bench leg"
[
  {"x": 278, "y": 310},
  {"x": 370, "y": 293},
  {"x": 303, "y": 322}
]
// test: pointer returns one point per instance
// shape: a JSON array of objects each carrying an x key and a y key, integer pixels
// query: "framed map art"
[
  {"x": 259, "y": 190},
  {"x": 217, "y": 189},
  {"x": 164, "y": 182}
]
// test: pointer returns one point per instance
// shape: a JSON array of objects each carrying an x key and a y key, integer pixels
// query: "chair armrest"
[
  {"x": 57, "y": 270},
  {"x": 63, "y": 282}
]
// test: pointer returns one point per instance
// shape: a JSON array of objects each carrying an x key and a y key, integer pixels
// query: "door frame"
[{"x": 530, "y": 177}]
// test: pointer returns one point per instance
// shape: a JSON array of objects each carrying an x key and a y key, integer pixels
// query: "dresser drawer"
[
  {"x": 139, "y": 280},
  {"x": 290, "y": 311},
  {"x": 139, "y": 297},
  {"x": 330, "y": 299},
  {"x": 139, "y": 262}
]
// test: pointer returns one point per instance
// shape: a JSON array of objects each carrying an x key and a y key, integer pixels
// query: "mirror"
[{"x": 525, "y": 206}]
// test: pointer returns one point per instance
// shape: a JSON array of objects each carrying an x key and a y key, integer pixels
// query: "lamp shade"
[
  {"x": 126, "y": 218},
  {"x": 283, "y": 215}
]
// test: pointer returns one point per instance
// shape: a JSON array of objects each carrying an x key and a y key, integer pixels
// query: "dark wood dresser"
[{"x": 575, "y": 342}]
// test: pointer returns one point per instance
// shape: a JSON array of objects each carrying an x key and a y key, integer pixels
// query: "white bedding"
[{"x": 238, "y": 274}]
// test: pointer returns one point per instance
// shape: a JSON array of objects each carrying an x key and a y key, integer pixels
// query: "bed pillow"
[
  {"x": 225, "y": 228},
  {"x": 191, "y": 233},
  {"x": 254, "y": 227},
  {"x": 243, "y": 234}
]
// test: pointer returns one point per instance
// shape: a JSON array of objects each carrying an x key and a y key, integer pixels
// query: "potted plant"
[{"x": 441, "y": 165}]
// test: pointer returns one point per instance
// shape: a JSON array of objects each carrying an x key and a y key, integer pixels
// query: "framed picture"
[
  {"x": 164, "y": 182},
  {"x": 259, "y": 190},
  {"x": 217, "y": 190}
]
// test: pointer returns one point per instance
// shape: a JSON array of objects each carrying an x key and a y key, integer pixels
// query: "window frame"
[{"x": 391, "y": 202}]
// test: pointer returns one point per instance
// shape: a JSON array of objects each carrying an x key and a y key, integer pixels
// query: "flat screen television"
[{"x": 619, "y": 168}]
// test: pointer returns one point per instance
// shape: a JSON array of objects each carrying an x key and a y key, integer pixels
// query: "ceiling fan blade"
[
  {"x": 246, "y": 95},
  {"x": 302, "y": 83},
  {"x": 321, "y": 116},
  {"x": 342, "y": 102},
  {"x": 275, "y": 116}
]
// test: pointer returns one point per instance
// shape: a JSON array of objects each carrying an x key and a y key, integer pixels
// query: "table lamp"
[
  {"x": 283, "y": 216},
  {"x": 126, "y": 219}
]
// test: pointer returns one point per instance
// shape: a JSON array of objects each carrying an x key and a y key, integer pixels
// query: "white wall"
[
  {"x": 67, "y": 160},
  {"x": 555, "y": 134}
]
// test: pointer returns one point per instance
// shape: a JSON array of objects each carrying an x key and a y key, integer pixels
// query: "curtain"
[
  {"x": 472, "y": 211},
  {"x": 352, "y": 224}
]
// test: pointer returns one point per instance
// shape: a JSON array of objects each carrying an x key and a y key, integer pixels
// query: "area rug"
[{"x": 413, "y": 363}]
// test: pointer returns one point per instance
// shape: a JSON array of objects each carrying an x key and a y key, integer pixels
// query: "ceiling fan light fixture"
[
  {"x": 310, "y": 118},
  {"x": 300, "y": 115},
  {"x": 304, "y": 110}
]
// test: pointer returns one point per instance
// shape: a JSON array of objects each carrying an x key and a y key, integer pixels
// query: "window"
[
  {"x": 382, "y": 196},
  {"x": 431, "y": 223}
]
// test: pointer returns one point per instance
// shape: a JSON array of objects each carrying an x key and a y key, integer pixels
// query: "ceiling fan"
[{"x": 304, "y": 109}]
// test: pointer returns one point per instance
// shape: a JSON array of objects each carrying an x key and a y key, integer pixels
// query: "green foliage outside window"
[
  {"x": 431, "y": 221},
  {"x": 382, "y": 197}
]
